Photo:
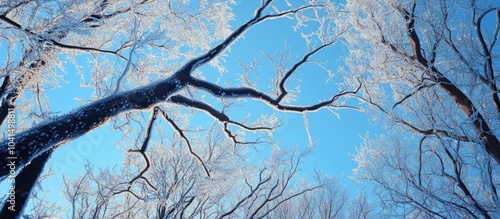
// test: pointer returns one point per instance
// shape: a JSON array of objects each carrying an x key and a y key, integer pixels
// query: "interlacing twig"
[
  {"x": 188, "y": 143},
  {"x": 143, "y": 149}
]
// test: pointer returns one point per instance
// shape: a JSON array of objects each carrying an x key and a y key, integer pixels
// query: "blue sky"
[{"x": 335, "y": 138}]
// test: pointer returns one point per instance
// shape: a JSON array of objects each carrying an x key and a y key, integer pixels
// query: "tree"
[
  {"x": 361, "y": 207},
  {"x": 145, "y": 57},
  {"x": 175, "y": 187},
  {"x": 326, "y": 202},
  {"x": 433, "y": 81}
]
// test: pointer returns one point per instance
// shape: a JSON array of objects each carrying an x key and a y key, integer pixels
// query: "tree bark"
[{"x": 24, "y": 183}]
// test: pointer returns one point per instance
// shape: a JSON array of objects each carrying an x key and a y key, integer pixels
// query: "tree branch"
[
  {"x": 252, "y": 93},
  {"x": 143, "y": 149},
  {"x": 183, "y": 136},
  {"x": 482, "y": 128}
]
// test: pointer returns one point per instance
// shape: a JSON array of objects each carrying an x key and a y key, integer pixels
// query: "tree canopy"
[{"x": 189, "y": 98}]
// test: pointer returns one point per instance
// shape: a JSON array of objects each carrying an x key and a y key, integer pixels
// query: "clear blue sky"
[{"x": 335, "y": 138}]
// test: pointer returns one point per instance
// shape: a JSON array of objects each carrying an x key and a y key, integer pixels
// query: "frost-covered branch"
[
  {"x": 492, "y": 143},
  {"x": 244, "y": 92},
  {"x": 220, "y": 116},
  {"x": 488, "y": 53},
  {"x": 53, "y": 133},
  {"x": 188, "y": 143},
  {"x": 143, "y": 149},
  {"x": 60, "y": 130}
]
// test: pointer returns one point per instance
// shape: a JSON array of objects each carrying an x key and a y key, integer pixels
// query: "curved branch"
[
  {"x": 214, "y": 52},
  {"x": 482, "y": 128},
  {"x": 179, "y": 99},
  {"x": 412, "y": 93},
  {"x": 252, "y": 93},
  {"x": 457, "y": 169},
  {"x": 222, "y": 117},
  {"x": 56, "y": 43},
  {"x": 183, "y": 136},
  {"x": 252, "y": 192},
  {"x": 143, "y": 149},
  {"x": 304, "y": 59},
  {"x": 488, "y": 65}
]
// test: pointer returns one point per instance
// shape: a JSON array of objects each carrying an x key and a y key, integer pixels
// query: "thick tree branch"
[
  {"x": 25, "y": 181},
  {"x": 54, "y": 133},
  {"x": 482, "y": 128},
  {"x": 58, "y": 131},
  {"x": 220, "y": 116},
  {"x": 255, "y": 94}
]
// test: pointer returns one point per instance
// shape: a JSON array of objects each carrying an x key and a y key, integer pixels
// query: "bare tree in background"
[
  {"x": 327, "y": 202},
  {"x": 361, "y": 207},
  {"x": 175, "y": 187},
  {"x": 140, "y": 61},
  {"x": 430, "y": 75}
]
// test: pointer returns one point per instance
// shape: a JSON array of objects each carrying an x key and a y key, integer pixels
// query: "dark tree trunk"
[{"x": 24, "y": 183}]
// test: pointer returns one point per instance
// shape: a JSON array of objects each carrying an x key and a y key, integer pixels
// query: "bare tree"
[
  {"x": 430, "y": 75},
  {"x": 328, "y": 202},
  {"x": 144, "y": 58},
  {"x": 361, "y": 207},
  {"x": 175, "y": 187},
  {"x": 43, "y": 31}
]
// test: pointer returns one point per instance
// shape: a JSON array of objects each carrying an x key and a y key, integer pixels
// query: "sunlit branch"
[
  {"x": 435, "y": 132},
  {"x": 412, "y": 93},
  {"x": 284, "y": 13},
  {"x": 98, "y": 16},
  {"x": 258, "y": 18},
  {"x": 54, "y": 132},
  {"x": 215, "y": 51},
  {"x": 129, "y": 60},
  {"x": 83, "y": 48},
  {"x": 56, "y": 43},
  {"x": 183, "y": 136}
]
